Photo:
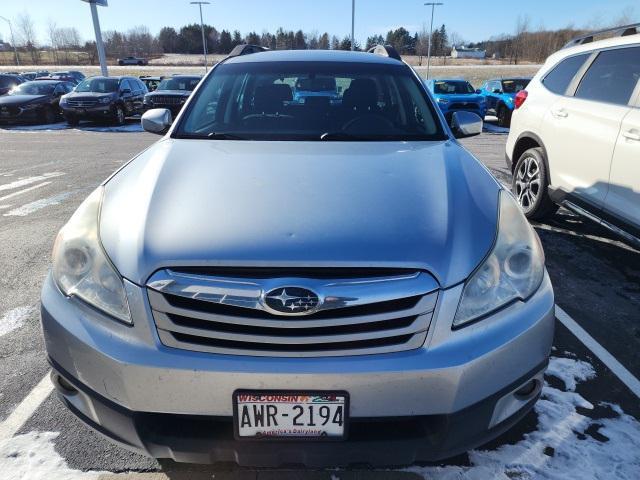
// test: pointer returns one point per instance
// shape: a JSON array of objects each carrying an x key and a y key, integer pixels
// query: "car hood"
[
  {"x": 92, "y": 95},
  {"x": 180, "y": 93},
  {"x": 13, "y": 100},
  {"x": 469, "y": 98},
  {"x": 423, "y": 205}
]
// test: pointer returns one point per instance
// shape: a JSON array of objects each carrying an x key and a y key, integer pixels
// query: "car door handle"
[
  {"x": 631, "y": 135},
  {"x": 560, "y": 113}
]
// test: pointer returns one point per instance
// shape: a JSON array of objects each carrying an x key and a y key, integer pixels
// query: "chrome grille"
[
  {"x": 82, "y": 103},
  {"x": 225, "y": 313},
  {"x": 167, "y": 100}
]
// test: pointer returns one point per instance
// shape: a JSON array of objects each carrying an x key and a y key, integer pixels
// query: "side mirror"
[
  {"x": 156, "y": 120},
  {"x": 497, "y": 90},
  {"x": 125, "y": 91},
  {"x": 478, "y": 91},
  {"x": 465, "y": 124}
]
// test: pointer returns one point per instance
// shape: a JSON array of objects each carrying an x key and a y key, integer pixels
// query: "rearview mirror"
[
  {"x": 156, "y": 120},
  {"x": 465, "y": 124}
]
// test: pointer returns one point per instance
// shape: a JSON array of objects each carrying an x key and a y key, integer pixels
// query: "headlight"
[
  {"x": 80, "y": 266},
  {"x": 104, "y": 100},
  {"x": 513, "y": 270},
  {"x": 443, "y": 100}
]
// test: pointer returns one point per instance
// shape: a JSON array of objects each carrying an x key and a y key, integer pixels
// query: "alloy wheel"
[{"x": 528, "y": 183}]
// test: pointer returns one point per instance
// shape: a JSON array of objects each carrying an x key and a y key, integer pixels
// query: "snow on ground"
[
  {"x": 86, "y": 127},
  {"x": 32, "y": 457},
  {"x": 14, "y": 319},
  {"x": 563, "y": 446}
]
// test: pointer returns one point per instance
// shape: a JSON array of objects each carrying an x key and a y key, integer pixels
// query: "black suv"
[
  {"x": 104, "y": 98},
  {"x": 7, "y": 82},
  {"x": 172, "y": 93},
  {"x": 33, "y": 102}
]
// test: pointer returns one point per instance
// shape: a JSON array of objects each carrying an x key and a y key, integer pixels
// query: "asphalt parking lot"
[{"x": 587, "y": 425}]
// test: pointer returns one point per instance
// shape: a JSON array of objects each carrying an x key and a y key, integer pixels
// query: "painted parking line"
[
  {"x": 29, "y": 208},
  {"x": 20, "y": 192},
  {"x": 23, "y": 182},
  {"x": 599, "y": 351},
  {"x": 26, "y": 408}
]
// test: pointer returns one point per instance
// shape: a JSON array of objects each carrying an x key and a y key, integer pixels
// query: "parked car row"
[
  {"x": 44, "y": 97},
  {"x": 495, "y": 97}
]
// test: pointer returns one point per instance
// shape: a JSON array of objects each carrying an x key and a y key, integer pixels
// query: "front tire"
[
  {"x": 49, "y": 116},
  {"x": 530, "y": 185},
  {"x": 119, "y": 116},
  {"x": 72, "y": 121},
  {"x": 504, "y": 116}
]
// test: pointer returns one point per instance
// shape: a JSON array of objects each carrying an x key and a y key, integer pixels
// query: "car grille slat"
[
  {"x": 247, "y": 317},
  {"x": 227, "y": 314},
  {"x": 287, "y": 336},
  {"x": 82, "y": 103},
  {"x": 167, "y": 100}
]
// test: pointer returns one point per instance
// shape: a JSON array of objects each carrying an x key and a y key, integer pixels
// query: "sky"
[{"x": 472, "y": 20}]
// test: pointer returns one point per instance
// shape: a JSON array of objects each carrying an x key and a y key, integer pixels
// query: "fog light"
[
  {"x": 527, "y": 389},
  {"x": 65, "y": 386}
]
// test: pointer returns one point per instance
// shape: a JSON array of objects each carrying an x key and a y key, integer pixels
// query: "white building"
[{"x": 464, "y": 52}]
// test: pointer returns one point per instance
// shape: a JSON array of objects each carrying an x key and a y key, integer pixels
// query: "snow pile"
[
  {"x": 14, "y": 319},
  {"x": 560, "y": 447},
  {"x": 32, "y": 457}
]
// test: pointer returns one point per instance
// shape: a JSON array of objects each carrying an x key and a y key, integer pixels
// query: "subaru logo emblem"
[{"x": 291, "y": 301}]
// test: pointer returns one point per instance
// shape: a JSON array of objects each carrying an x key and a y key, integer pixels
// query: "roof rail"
[
  {"x": 245, "y": 49},
  {"x": 385, "y": 51},
  {"x": 622, "y": 31}
]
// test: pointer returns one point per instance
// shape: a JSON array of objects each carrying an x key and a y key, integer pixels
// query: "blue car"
[
  {"x": 500, "y": 95},
  {"x": 456, "y": 95}
]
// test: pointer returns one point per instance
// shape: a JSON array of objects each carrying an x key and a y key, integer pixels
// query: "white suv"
[{"x": 575, "y": 133}]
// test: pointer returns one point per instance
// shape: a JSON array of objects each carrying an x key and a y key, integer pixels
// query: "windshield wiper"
[{"x": 224, "y": 136}]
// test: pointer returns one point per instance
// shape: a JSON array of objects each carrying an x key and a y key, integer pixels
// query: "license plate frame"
[{"x": 285, "y": 438}]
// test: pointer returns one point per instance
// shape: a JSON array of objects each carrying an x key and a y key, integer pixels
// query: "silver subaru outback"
[{"x": 318, "y": 279}]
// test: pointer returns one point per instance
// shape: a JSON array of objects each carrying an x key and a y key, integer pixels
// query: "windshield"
[
  {"x": 255, "y": 101},
  {"x": 98, "y": 85},
  {"x": 7, "y": 81},
  {"x": 33, "y": 88},
  {"x": 514, "y": 86},
  {"x": 449, "y": 87},
  {"x": 188, "y": 84}
]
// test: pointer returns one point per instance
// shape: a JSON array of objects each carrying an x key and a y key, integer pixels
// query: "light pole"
[
  {"x": 204, "y": 41},
  {"x": 13, "y": 41},
  {"x": 353, "y": 25},
  {"x": 433, "y": 6},
  {"x": 96, "y": 28}
]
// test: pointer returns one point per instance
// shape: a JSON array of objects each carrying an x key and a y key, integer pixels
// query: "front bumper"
[
  {"x": 455, "y": 393},
  {"x": 97, "y": 112},
  {"x": 24, "y": 116}
]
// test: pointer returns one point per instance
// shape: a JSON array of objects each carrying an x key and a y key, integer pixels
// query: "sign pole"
[{"x": 96, "y": 28}]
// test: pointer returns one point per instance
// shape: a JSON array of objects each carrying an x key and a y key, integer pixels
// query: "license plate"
[{"x": 287, "y": 415}]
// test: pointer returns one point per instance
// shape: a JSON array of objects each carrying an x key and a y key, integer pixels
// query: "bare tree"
[
  {"x": 52, "y": 31},
  {"x": 522, "y": 27},
  {"x": 27, "y": 35}
]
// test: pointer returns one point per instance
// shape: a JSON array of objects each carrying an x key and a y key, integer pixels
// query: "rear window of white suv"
[{"x": 559, "y": 78}]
